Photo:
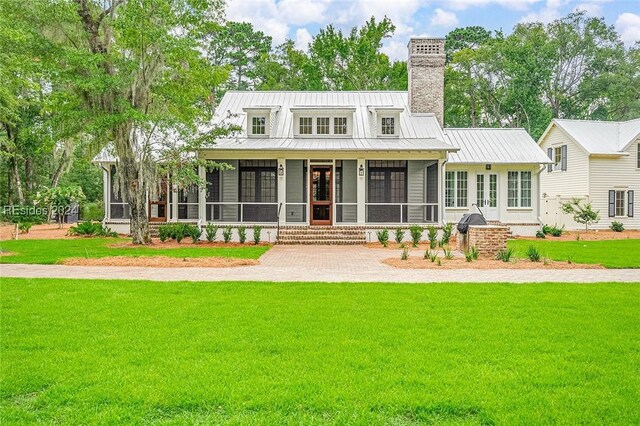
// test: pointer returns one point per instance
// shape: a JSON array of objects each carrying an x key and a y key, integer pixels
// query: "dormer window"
[
  {"x": 306, "y": 125},
  {"x": 388, "y": 126},
  {"x": 340, "y": 126},
  {"x": 322, "y": 125},
  {"x": 258, "y": 125}
]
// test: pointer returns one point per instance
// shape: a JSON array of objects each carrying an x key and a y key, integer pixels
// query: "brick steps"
[{"x": 322, "y": 235}]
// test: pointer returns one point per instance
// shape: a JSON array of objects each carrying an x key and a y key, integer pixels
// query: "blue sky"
[{"x": 299, "y": 20}]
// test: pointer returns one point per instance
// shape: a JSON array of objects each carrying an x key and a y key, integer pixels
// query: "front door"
[
  {"x": 487, "y": 195},
  {"x": 158, "y": 207},
  {"x": 321, "y": 195}
]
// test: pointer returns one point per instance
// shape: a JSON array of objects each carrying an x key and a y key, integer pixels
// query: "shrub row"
[
  {"x": 179, "y": 231},
  {"x": 91, "y": 229},
  {"x": 416, "y": 231}
]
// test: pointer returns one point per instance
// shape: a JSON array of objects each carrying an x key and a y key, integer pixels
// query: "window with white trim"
[
  {"x": 388, "y": 126},
  {"x": 519, "y": 189},
  {"x": 258, "y": 125},
  {"x": 340, "y": 125},
  {"x": 620, "y": 203},
  {"x": 306, "y": 125},
  {"x": 456, "y": 191},
  {"x": 557, "y": 158},
  {"x": 322, "y": 125}
]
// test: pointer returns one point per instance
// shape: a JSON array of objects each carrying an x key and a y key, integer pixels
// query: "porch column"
[
  {"x": 282, "y": 187},
  {"x": 174, "y": 205},
  {"x": 202, "y": 194},
  {"x": 106, "y": 192},
  {"x": 361, "y": 186}
]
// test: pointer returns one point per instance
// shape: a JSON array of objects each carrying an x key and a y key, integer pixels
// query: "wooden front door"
[
  {"x": 158, "y": 207},
  {"x": 321, "y": 195}
]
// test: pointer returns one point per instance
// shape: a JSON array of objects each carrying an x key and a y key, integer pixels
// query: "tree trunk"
[{"x": 14, "y": 172}]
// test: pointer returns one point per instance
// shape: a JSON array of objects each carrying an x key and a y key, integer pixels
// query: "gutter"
[{"x": 542, "y": 168}]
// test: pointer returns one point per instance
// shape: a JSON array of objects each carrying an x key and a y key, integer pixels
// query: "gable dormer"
[
  {"x": 323, "y": 122},
  {"x": 260, "y": 120},
  {"x": 385, "y": 121}
]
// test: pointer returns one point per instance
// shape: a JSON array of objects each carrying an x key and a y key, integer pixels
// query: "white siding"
[
  {"x": 574, "y": 182},
  {"x": 619, "y": 173}
]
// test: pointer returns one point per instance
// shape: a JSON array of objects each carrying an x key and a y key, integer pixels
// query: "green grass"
[
  {"x": 134, "y": 352},
  {"x": 54, "y": 251},
  {"x": 609, "y": 253}
]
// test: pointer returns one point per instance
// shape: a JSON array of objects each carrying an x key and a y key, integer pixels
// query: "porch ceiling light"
[
  {"x": 361, "y": 170},
  {"x": 281, "y": 170}
]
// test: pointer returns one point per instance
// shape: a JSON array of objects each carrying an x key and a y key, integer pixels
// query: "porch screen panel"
[
  {"x": 347, "y": 191},
  {"x": 213, "y": 212},
  {"x": 118, "y": 207},
  {"x": 296, "y": 192},
  {"x": 188, "y": 203},
  {"x": 229, "y": 178},
  {"x": 258, "y": 190},
  {"x": 386, "y": 186},
  {"x": 432, "y": 192}
]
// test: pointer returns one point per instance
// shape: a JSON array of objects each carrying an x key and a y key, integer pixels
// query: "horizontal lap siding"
[
  {"x": 230, "y": 192},
  {"x": 416, "y": 183},
  {"x": 349, "y": 190},
  {"x": 615, "y": 174},
  {"x": 574, "y": 182},
  {"x": 295, "y": 191}
]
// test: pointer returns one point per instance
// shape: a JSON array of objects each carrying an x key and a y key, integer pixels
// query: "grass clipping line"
[{"x": 162, "y": 262}]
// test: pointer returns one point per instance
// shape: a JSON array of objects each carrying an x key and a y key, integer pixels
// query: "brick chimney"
[{"x": 426, "y": 76}]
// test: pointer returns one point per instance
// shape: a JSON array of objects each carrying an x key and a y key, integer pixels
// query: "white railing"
[
  {"x": 241, "y": 212},
  {"x": 401, "y": 212}
]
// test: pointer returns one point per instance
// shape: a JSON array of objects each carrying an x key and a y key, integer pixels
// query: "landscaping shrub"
[
  {"x": 505, "y": 254},
  {"x": 432, "y": 235},
  {"x": 448, "y": 254},
  {"x": 226, "y": 234},
  {"x": 405, "y": 254},
  {"x": 165, "y": 232},
  {"x": 581, "y": 213},
  {"x": 91, "y": 229},
  {"x": 433, "y": 256},
  {"x": 257, "y": 234},
  {"x": 399, "y": 235},
  {"x": 533, "y": 254},
  {"x": 468, "y": 256},
  {"x": 211, "y": 231},
  {"x": 617, "y": 226},
  {"x": 24, "y": 227},
  {"x": 383, "y": 237},
  {"x": 242, "y": 234},
  {"x": 554, "y": 231},
  {"x": 195, "y": 232},
  {"x": 416, "y": 234},
  {"x": 92, "y": 212},
  {"x": 540, "y": 234},
  {"x": 474, "y": 253},
  {"x": 427, "y": 254},
  {"x": 447, "y": 230}
]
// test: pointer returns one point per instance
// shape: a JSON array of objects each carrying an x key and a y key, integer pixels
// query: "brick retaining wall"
[{"x": 487, "y": 239}]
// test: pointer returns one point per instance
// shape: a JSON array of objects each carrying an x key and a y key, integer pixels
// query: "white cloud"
[
  {"x": 592, "y": 7},
  {"x": 264, "y": 16},
  {"x": 628, "y": 25},
  {"x": 509, "y": 4},
  {"x": 442, "y": 18},
  {"x": 550, "y": 12},
  {"x": 395, "y": 50},
  {"x": 301, "y": 12},
  {"x": 303, "y": 38}
]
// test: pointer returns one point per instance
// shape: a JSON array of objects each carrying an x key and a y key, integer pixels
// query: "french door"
[
  {"x": 487, "y": 195},
  {"x": 321, "y": 195},
  {"x": 158, "y": 206}
]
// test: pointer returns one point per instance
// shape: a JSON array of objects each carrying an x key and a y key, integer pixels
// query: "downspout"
[
  {"x": 442, "y": 192},
  {"x": 542, "y": 168}
]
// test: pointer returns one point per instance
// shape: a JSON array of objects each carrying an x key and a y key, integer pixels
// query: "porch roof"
[{"x": 333, "y": 144}]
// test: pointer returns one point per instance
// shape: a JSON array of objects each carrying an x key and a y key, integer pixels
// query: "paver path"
[{"x": 320, "y": 263}]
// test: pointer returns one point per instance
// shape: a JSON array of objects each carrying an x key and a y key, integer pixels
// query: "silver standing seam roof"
[{"x": 599, "y": 137}]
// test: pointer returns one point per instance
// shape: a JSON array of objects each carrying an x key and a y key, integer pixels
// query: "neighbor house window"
[
  {"x": 519, "y": 189},
  {"x": 322, "y": 125},
  {"x": 306, "y": 125},
  {"x": 388, "y": 126},
  {"x": 258, "y": 125},
  {"x": 456, "y": 189},
  {"x": 557, "y": 158},
  {"x": 340, "y": 126},
  {"x": 620, "y": 203}
]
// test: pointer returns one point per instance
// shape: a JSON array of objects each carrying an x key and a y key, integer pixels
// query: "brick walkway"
[{"x": 320, "y": 263}]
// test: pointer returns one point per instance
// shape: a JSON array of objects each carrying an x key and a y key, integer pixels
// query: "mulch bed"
[
  {"x": 162, "y": 262},
  {"x": 422, "y": 246},
  {"x": 169, "y": 244},
  {"x": 415, "y": 262},
  {"x": 590, "y": 236}
]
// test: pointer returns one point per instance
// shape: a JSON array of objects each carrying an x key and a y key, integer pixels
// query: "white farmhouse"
[
  {"x": 339, "y": 165},
  {"x": 596, "y": 161}
]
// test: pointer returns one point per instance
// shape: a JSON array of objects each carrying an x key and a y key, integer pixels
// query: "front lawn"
[
  {"x": 55, "y": 251},
  {"x": 131, "y": 352},
  {"x": 609, "y": 253}
]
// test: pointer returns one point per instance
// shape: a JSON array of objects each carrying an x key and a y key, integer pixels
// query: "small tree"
[
  {"x": 59, "y": 199},
  {"x": 581, "y": 213}
]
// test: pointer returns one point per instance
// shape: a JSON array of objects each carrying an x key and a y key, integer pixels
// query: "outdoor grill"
[{"x": 470, "y": 219}]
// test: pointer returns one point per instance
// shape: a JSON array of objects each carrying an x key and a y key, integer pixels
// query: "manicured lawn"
[
  {"x": 610, "y": 253},
  {"x": 54, "y": 251},
  {"x": 123, "y": 352}
]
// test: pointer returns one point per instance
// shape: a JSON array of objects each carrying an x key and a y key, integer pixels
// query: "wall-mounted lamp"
[
  {"x": 487, "y": 166},
  {"x": 281, "y": 170},
  {"x": 361, "y": 170}
]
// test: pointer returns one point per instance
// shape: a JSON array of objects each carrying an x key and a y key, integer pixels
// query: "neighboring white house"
[
  {"x": 362, "y": 160},
  {"x": 597, "y": 161}
]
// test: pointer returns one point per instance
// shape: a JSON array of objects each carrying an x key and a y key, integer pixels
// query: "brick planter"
[{"x": 487, "y": 239}]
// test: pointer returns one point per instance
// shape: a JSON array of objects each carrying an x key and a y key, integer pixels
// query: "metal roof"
[
  {"x": 423, "y": 126},
  {"x": 496, "y": 146},
  {"x": 333, "y": 144},
  {"x": 600, "y": 137}
]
